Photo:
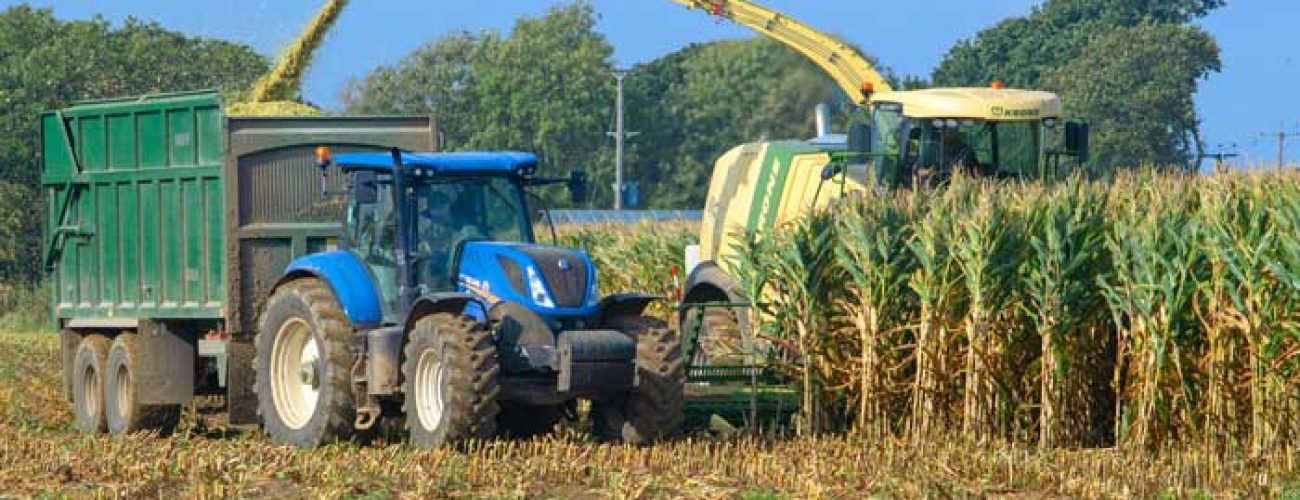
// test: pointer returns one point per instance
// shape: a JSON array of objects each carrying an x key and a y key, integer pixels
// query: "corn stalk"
[
  {"x": 797, "y": 280},
  {"x": 988, "y": 249},
  {"x": 936, "y": 283},
  {"x": 878, "y": 302},
  {"x": 1149, "y": 290},
  {"x": 1066, "y": 250}
]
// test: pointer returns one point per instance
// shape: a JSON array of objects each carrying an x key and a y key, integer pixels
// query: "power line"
[
  {"x": 1281, "y": 137},
  {"x": 1220, "y": 159}
]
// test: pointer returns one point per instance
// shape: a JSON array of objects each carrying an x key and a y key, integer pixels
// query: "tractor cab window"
[
  {"x": 452, "y": 211},
  {"x": 369, "y": 225},
  {"x": 372, "y": 232}
]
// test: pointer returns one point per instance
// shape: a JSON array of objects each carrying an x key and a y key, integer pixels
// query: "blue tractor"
[{"x": 440, "y": 309}]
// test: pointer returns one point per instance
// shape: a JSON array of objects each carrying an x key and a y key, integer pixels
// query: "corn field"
[
  {"x": 633, "y": 258},
  {"x": 1147, "y": 312}
]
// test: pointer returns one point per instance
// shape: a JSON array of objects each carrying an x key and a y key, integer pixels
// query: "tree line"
[
  {"x": 1129, "y": 68},
  {"x": 47, "y": 63},
  {"x": 546, "y": 85}
]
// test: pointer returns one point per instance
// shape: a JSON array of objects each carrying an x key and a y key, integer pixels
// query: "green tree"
[
  {"x": 46, "y": 63},
  {"x": 1018, "y": 50},
  {"x": 1100, "y": 43},
  {"x": 433, "y": 80},
  {"x": 1142, "y": 110},
  {"x": 19, "y": 220},
  {"x": 694, "y": 104},
  {"x": 546, "y": 87}
]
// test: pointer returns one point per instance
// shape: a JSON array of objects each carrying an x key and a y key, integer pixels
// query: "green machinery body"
[{"x": 169, "y": 218}]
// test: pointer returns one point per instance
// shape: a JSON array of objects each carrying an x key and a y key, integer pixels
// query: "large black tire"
[
  {"x": 309, "y": 302},
  {"x": 123, "y": 410},
  {"x": 524, "y": 421},
  {"x": 88, "y": 384},
  {"x": 652, "y": 411},
  {"x": 449, "y": 371}
]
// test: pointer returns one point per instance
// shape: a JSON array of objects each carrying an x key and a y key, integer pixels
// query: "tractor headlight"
[
  {"x": 593, "y": 294},
  {"x": 537, "y": 289}
]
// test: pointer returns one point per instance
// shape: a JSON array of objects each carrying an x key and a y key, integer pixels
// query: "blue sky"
[{"x": 1254, "y": 95}]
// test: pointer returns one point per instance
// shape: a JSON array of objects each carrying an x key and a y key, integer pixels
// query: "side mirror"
[
  {"x": 860, "y": 138},
  {"x": 830, "y": 171},
  {"x": 1076, "y": 139},
  {"x": 578, "y": 186},
  {"x": 364, "y": 188}
]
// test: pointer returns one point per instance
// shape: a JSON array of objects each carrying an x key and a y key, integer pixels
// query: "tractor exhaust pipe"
[{"x": 823, "y": 115}]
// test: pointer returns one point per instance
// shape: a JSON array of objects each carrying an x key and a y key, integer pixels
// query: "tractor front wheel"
[
  {"x": 304, "y": 366},
  {"x": 652, "y": 411},
  {"x": 449, "y": 372}
]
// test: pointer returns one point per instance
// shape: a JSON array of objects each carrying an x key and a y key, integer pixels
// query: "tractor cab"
[{"x": 451, "y": 222}]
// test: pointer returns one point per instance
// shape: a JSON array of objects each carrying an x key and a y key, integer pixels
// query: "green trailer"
[{"x": 170, "y": 221}]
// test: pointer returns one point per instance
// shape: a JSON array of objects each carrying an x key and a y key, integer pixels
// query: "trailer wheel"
[
  {"x": 524, "y": 421},
  {"x": 652, "y": 410},
  {"x": 304, "y": 366},
  {"x": 123, "y": 410},
  {"x": 88, "y": 384},
  {"x": 450, "y": 370}
]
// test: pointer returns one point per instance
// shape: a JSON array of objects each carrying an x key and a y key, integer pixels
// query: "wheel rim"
[
  {"x": 429, "y": 373},
  {"x": 122, "y": 378},
  {"x": 295, "y": 373},
  {"x": 91, "y": 392}
]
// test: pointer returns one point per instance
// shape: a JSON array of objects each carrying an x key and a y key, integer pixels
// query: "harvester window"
[
  {"x": 886, "y": 132},
  {"x": 936, "y": 147},
  {"x": 1017, "y": 148}
]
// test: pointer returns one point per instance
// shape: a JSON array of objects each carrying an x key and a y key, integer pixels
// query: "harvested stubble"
[
  {"x": 41, "y": 455},
  {"x": 1154, "y": 312}
]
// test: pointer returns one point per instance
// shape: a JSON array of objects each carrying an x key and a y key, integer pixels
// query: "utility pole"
[
  {"x": 1282, "y": 136},
  {"x": 1220, "y": 160},
  {"x": 620, "y": 136}
]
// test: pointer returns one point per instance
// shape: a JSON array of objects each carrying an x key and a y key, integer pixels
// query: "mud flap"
[
  {"x": 68, "y": 343},
  {"x": 166, "y": 372},
  {"x": 241, "y": 403}
]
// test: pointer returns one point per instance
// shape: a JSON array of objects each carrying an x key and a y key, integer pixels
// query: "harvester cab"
[
  {"x": 921, "y": 136},
  {"x": 440, "y": 307}
]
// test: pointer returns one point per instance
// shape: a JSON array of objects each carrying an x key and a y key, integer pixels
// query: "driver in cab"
[{"x": 443, "y": 224}]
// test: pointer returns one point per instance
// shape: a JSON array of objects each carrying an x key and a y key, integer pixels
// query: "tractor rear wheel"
[
  {"x": 123, "y": 411},
  {"x": 88, "y": 384},
  {"x": 652, "y": 411},
  {"x": 304, "y": 367},
  {"x": 449, "y": 371}
]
